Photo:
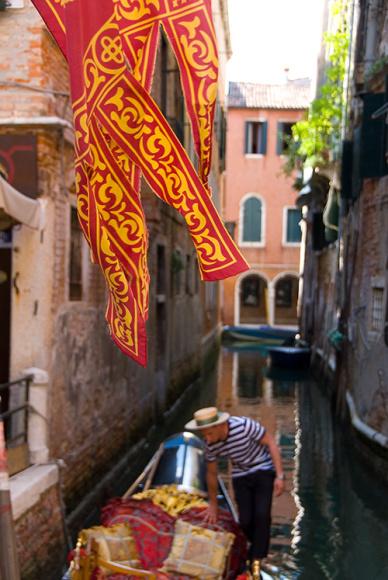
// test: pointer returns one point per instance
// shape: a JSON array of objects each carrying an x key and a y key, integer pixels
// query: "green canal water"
[{"x": 332, "y": 521}]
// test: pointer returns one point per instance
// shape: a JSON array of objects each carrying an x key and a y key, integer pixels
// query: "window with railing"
[{"x": 14, "y": 411}]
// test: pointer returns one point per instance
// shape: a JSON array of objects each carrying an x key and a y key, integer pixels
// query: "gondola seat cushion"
[
  {"x": 198, "y": 552},
  {"x": 115, "y": 543}
]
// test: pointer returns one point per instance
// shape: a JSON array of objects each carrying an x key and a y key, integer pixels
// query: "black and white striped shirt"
[{"x": 242, "y": 447}]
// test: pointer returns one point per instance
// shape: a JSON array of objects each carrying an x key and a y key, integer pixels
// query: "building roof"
[{"x": 291, "y": 95}]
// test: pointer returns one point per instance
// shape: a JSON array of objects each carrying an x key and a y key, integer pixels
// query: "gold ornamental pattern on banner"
[{"x": 121, "y": 133}]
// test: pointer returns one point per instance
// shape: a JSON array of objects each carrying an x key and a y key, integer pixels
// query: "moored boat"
[
  {"x": 261, "y": 334},
  {"x": 286, "y": 374},
  {"x": 292, "y": 357}
]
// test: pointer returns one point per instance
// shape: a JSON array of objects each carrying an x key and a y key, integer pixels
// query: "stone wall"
[{"x": 367, "y": 360}]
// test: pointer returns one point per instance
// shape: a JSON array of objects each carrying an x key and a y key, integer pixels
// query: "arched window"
[
  {"x": 252, "y": 300},
  {"x": 252, "y": 220},
  {"x": 286, "y": 300}
]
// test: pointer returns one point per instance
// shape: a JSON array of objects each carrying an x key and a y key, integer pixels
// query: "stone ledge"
[{"x": 28, "y": 486}]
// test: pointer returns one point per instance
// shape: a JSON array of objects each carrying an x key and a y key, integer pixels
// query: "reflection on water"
[{"x": 332, "y": 522}]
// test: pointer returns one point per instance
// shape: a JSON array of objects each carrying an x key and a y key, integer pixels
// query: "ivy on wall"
[{"x": 319, "y": 133}]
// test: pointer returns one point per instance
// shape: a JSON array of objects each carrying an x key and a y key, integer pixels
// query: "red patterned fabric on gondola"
[{"x": 153, "y": 531}]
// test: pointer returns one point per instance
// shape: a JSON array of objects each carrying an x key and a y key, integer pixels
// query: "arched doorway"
[
  {"x": 286, "y": 300},
  {"x": 253, "y": 308}
]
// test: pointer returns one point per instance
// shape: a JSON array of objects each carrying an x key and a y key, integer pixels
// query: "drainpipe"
[{"x": 362, "y": 427}]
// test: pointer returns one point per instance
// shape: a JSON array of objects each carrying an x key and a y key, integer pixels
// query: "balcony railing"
[{"x": 15, "y": 400}]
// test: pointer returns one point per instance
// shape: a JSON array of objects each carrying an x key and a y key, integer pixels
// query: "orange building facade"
[{"x": 259, "y": 204}]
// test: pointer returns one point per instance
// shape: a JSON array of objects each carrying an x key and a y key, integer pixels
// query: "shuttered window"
[
  {"x": 255, "y": 138},
  {"x": 293, "y": 233},
  {"x": 252, "y": 218}
]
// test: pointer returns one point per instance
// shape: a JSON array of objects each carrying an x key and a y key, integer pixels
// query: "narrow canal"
[{"x": 332, "y": 522}]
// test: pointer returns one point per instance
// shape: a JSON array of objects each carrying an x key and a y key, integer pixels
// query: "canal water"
[{"x": 332, "y": 521}]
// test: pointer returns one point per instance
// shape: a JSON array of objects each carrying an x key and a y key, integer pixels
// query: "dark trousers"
[{"x": 253, "y": 493}]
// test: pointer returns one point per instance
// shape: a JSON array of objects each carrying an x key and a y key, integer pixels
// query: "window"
[
  {"x": 293, "y": 231},
  {"x": 283, "y": 293},
  {"x": 190, "y": 275},
  {"x": 211, "y": 291},
  {"x": 220, "y": 128},
  {"x": 177, "y": 265},
  {"x": 163, "y": 76},
  {"x": 377, "y": 316},
  {"x": 75, "y": 289},
  {"x": 256, "y": 137},
  {"x": 283, "y": 136},
  {"x": 252, "y": 221},
  {"x": 250, "y": 291},
  {"x": 171, "y": 96},
  {"x": 160, "y": 270}
]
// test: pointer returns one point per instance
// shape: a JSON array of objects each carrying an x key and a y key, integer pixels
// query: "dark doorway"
[
  {"x": 253, "y": 300},
  {"x": 286, "y": 300},
  {"x": 5, "y": 310}
]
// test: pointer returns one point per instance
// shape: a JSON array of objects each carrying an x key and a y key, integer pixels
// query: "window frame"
[
  {"x": 281, "y": 122},
  {"x": 241, "y": 242},
  {"x": 262, "y": 121},
  {"x": 285, "y": 242},
  {"x": 377, "y": 287},
  {"x": 72, "y": 284}
]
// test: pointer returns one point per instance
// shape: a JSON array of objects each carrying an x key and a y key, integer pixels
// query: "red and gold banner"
[{"x": 120, "y": 131}]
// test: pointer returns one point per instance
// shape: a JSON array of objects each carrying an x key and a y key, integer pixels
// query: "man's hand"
[
  {"x": 210, "y": 515},
  {"x": 278, "y": 486}
]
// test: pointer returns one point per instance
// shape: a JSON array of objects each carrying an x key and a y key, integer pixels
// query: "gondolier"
[{"x": 256, "y": 473}]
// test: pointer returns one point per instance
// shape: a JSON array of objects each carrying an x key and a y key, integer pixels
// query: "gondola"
[
  {"x": 179, "y": 469},
  {"x": 263, "y": 334}
]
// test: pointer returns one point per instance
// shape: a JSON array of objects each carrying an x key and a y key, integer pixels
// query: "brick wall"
[{"x": 40, "y": 542}]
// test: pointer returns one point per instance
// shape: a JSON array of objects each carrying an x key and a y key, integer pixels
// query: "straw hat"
[{"x": 207, "y": 417}]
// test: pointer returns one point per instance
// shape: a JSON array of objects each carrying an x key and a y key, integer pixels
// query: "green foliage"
[{"x": 316, "y": 135}]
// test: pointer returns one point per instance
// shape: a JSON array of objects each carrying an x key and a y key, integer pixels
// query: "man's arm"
[
  {"x": 211, "y": 514},
  {"x": 268, "y": 440}
]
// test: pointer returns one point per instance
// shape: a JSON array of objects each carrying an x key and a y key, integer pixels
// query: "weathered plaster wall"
[{"x": 367, "y": 353}]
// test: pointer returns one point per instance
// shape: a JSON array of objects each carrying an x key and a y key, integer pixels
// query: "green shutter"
[
  {"x": 372, "y": 163},
  {"x": 252, "y": 220},
  {"x": 294, "y": 233},
  {"x": 263, "y": 140},
  {"x": 246, "y": 142},
  {"x": 346, "y": 169},
  {"x": 279, "y": 141}
]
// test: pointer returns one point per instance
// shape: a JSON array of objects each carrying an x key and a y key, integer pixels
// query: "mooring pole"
[{"x": 9, "y": 564}]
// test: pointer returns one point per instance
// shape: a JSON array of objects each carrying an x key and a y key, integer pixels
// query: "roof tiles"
[{"x": 291, "y": 95}]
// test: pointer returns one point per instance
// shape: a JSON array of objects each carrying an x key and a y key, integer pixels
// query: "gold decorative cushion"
[
  {"x": 171, "y": 499},
  {"x": 198, "y": 552},
  {"x": 115, "y": 543}
]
